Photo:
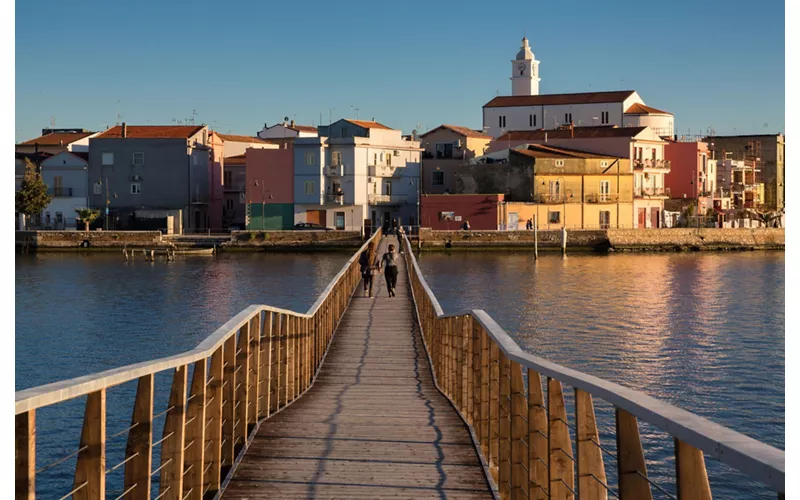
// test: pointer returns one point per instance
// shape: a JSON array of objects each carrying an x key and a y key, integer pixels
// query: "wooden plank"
[
  {"x": 214, "y": 399},
  {"x": 485, "y": 393},
  {"x": 562, "y": 470},
  {"x": 504, "y": 426},
  {"x": 519, "y": 435},
  {"x": 194, "y": 449},
  {"x": 538, "y": 440},
  {"x": 476, "y": 378},
  {"x": 494, "y": 411},
  {"x": 692, "y": 479},
  {"x": 591, "y": 470},
  {"x": 91, "y": 466},
  {"x": 631, "y": 468},
  {"x": 254, "y": 365},
  {"x": 242, "y": 381},
  {"x": 228, "y": 401},
  {"x": 139, "y": 448},
  {"x": 283, "y": 373},
  {"x": 265, "y": 373},
  {"x": 274, "y": 371},
  {"x": 25, "y": 455},
  {"x": 171, "y": 484}
]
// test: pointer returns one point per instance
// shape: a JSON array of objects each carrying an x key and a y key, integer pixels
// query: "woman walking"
[
  {"x": 389, "y": 265},
  {"x": 365, "y": 262}
]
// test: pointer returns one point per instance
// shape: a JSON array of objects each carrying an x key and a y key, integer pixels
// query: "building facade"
[
  {"x": 138, "y": 174},
  {"x": 450, "y": 211},
  {"x": 283, "y": 134},
  {"x": 54, "y": 141},
  {"x": 67, "y": 177},
  {"x": 356, "y": 170},
  {"x": 270, "y": 189},
  {"x": 445, "y": 148}
]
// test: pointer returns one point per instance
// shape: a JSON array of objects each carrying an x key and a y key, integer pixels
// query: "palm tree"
[{"x": 87, "y": 215}]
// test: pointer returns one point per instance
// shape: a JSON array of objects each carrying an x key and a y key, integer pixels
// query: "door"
[
  {"x": 316, "y": 217},
  {"x": 513, "y": 221},
  {"x": 555, "y": 191},
  {"x": 387, "y": 220},
  {"x": 642, "y": 218},
  {"x": 605, "y": 219},
  {"x": 654, "y": 218},
  {"x": 605, "y": 190},
  {"x": 339, "y": 221}
]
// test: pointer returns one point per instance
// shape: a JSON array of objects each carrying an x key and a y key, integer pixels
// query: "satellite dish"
[
  {"x": 414, "y": 132},
  {"x": 286, "y": 118}
]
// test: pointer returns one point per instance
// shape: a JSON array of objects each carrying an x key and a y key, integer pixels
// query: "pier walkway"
[
  {"x": 366, "y": 398},
  {"x": 373, "y": 425}
]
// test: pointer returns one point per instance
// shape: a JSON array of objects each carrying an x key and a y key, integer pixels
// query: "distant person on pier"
[
  {"x": 366, "y": 272},
  {"x": 394, "y": 228},
  {"x": 465, "y": 226},
  {"x": 389, "y": 266},
  {"x": 529, "y": 225}
]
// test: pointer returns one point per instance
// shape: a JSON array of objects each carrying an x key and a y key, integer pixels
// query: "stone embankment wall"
[
  {"x": 279, "y": 240},
  {"x": 611, "y": 239},
  {"x": 88, "y": 240}
]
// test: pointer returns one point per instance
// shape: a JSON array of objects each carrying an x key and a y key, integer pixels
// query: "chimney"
[
  {"x": 124, "y": 130},
  {"x": 292, "y": 124}
]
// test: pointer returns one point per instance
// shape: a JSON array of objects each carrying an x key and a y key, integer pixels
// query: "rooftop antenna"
[
  {"x": 355, "y": 108},
  {"x": 194, "y": 114},
  {"x": 53, "y": 121}
]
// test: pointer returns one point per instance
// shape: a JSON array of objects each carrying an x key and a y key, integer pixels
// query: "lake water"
[{"x": 702, "y": 331}]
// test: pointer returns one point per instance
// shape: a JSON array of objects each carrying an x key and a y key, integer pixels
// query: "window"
[
  {"x": 605, "y": 190},
  {"x": 437, "y": 178},
  {"x": 444, "y": 150},
  {"x": 603, "y": 164},
  {"x": 229, "y": 203},
  {"x": 108, "y": 158},
  {"x": 136, "y": 188},
  {"x": 309, "y": 158},
  {"x": 59, "y": 218},
  {"x": 375, "y": 159},
  {"x": 98, "y": 188},
  {"x": 567, "y": 118},
  {"x": 308, "y": 187},
  {"x": 336, "y": 158},
  {"x": 502, "y": 120},
  {"x": 389, "y": 159},
  {"x": 555, "y": 190},
  {"x": 554, "y": 217},
  {"x": 604, "y": 117},
  {"x": 534, "y": 120},
  {"x": 138, "y": 158},
  {"x": 559, "y": 163},
  {"x": 387, "y": 188},
  {"x": 530, "y": 120},
  {"x": 605, "y": 219}
]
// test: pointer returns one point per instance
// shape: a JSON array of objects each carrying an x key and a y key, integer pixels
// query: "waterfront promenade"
[{"x": 373, "y": 425}]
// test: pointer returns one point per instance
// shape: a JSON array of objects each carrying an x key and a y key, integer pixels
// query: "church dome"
[{"x": 525, "y": 51}]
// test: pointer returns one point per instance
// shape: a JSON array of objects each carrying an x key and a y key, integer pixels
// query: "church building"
[{"x": 526, "y": 109}]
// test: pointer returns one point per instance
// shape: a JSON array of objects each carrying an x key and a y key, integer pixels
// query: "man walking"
[{"x": 389, "y": 266}]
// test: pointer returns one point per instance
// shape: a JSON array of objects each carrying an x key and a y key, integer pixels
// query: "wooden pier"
[{"x": 374, "y": 398}]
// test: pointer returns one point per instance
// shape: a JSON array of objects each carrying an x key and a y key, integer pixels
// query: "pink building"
[
  {"x": 693, "y": 173},
  {"x": 269, "y": 193}
]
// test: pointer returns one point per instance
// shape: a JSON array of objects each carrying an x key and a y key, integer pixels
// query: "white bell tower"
[{"x": 525, "y": 72}]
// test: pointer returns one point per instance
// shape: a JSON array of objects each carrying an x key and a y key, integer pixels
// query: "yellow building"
[{"x": 560, "y": 187}]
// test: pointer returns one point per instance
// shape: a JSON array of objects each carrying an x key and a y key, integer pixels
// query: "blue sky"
[{"x": 713, "y": 64}]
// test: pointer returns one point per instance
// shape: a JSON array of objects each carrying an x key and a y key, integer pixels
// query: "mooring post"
[
  {"x": 535, "y": 238},
  {"x": 564, "y": 240}
]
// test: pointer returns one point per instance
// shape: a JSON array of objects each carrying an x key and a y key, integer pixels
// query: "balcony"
[
  {"x": 60, "y": 192},
  {"x": 652, "y": 193},
  {"x": 556, "y": 198},
  {"x": 381, "y": 170},
  {"x": 602, "y": 198},
  {"x": 337, "y": 199},
  {"x": 657, "y": 165},
  {"x": 334, "y": 170},
  {"x": 387, "y": 199}
]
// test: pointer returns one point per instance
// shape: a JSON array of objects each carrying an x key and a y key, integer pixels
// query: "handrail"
[
  {"x": 758, "y": 460},
  {"x": 250, "y": 368}
]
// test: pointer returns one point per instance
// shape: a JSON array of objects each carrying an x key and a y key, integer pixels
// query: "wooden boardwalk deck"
[{"x": 372, "y": 426}]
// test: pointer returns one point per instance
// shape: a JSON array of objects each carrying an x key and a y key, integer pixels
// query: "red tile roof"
[
  {"x": 153, "y": 132},
  {"x": 641, "y": 109},
  {"x": 464, "y": 131},
  {"x": 240, "y": 138},
  {"x": 304, "y": 128},
  {"x": 554, "y": 99},
  {"x": 57, "y": 139},
  {"x": 236, "y": 160},
  {"x": 366, "y": 124},
  {"x": 548, "y": 151},
  {"x": 580, "y": 133}
]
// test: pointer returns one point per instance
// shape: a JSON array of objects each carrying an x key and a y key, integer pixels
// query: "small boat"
[{"x": 195, "y": 251}]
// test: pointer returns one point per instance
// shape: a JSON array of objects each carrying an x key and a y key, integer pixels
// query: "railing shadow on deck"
[
  {"x": 523, "y": 433},
  {"x": 250, "y": 368}
]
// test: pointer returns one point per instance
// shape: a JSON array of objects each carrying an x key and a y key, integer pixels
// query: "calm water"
[{"x": 702, "y": 331}]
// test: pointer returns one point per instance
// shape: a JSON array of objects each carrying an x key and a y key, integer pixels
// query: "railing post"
[
  {"x": 519, "y": 431},
  {"x": 265, "y": 356},
  {"x": 91, "y": 467},
  {"x": 25, "y": 455},
  {"x": 562, "y": 467},
  {"x": 538, "y": 441},
  {"x": 461, "y": 365},
  {"x": 275, "y": 359},
  {"x": 485, "y": 393},
  {"x": 171, "y": 487},
  {"x": 139, "y": 448},
  {"x": 494, "y": 409},
  {"x": 504, "y": 425},
  {"x": 692, "y": 480},
  {"x": 469, "y": 371},
  {"x": 254, "y": 362},
  {"x": 283, "y": 384},
  {"x": 631, "y": 469},
  {"x": 591, "y": 471},
  {"x": 228, "y": 443},
  {"x": 214, "y": 401},
  {"x": 476, "y": 378},
  {"x": 195, "y": 433},
  {"x": 242, "y": 381}
]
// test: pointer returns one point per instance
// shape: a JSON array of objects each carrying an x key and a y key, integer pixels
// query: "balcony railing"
[
  {"x": 335, "y": 170},
  {"x": 557, "y": 198},
  {"x": 602, "y": 198},
  {"x": 387, "y": 199},
  {"x": 381, "y": 170},
  {"x": 60, "y": 192},
  {"x": 643, "y": 192},
  {"x": 652, "y": 165}
]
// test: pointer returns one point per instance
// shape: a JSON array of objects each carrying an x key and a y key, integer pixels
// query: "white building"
[
  {"x": 525, "y": 109},
  {"x": 286, "y": 130},
  {"x": 356, "y": 170},
  {"x": 67, "y": 177}
]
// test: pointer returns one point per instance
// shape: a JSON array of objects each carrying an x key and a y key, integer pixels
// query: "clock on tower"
[{"x": 524, "y": 78}]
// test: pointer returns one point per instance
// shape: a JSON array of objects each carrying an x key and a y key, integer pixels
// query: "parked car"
[{"x": 310, "y": 226}]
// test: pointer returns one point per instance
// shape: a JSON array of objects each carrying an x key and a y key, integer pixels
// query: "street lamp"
[{"x": 261, "y": 185}]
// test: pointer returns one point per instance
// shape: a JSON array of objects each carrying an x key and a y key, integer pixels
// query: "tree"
[
  {"x": 87, "y": 215},
  {"x": 32, "y": 196}
]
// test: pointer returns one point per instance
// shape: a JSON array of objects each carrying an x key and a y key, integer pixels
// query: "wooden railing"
[
  {"x": 523, "y": 431},
  {"x": 252, "y": 367}
]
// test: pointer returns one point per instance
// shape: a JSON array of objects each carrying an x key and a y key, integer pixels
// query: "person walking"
[
  {"x": 529, "y": 225},
  {"x": 389, "y": 266},
  {"x": 394, "y": 228},
  {"x": 366, "y": 272},
  {"x": 466, "y": 225}
]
